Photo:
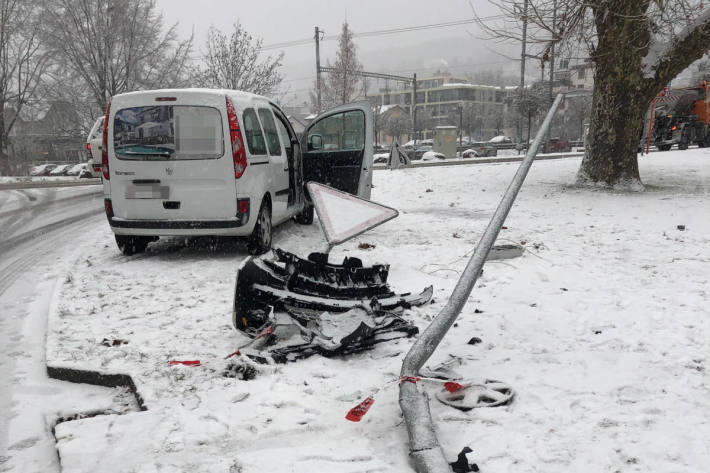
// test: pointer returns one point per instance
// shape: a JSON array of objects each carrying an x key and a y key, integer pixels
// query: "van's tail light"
[
  {"x": 104, "y": 148},
  {"x": 243, "y": 210},
  {"x": 88, "y": 150},
  {"x": 108, "y": 208},
  {"x": 235, "y": 135}
]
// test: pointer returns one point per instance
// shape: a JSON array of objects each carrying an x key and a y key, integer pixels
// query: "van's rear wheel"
[
  {"x": 130, "y": 245},
  {"x": 260, "y": 239},
  {"x": 306, "y": 216}
]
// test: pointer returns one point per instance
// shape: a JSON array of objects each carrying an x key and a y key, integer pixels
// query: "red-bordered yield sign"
[{"x": 344, "y": 216}]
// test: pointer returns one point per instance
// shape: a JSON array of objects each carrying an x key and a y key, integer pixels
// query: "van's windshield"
[{"x": 168, "y": 132}]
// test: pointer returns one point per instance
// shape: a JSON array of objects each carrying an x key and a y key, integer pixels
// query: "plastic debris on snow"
[{"x": 312, "y": 306}]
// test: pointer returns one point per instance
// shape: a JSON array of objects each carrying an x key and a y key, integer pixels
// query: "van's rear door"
[
  {"x": 169, "y": 158},
  {"x": 338, "y": 149}
]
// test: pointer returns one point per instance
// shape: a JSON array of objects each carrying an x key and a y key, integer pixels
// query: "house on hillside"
[
  {"x": 392, "y": 123},
  {"x": 57, "y": 137}
]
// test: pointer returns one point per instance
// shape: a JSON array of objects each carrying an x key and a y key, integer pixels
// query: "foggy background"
[{"x": 457, "y": 49}]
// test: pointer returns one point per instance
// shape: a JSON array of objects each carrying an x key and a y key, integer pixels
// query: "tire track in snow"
[{"x": 41, "y": 243}]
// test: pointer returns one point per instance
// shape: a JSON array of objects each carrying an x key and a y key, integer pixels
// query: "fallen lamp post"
[{"x": 424, "y": 448}]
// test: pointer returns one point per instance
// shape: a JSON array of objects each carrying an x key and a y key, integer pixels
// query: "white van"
[
  {"x": 93, "y": 147},
  {"x": 222, "y": 162}
]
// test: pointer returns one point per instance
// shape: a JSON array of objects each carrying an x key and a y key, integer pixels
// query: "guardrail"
[
  {"x": 43, "y": 184},
  {"x": 463, "y": 162}
]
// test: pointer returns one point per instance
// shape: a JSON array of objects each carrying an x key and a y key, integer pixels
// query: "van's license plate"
[{"x": 147, "y": 191}]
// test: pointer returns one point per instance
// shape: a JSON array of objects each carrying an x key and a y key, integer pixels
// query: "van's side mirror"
[{"x": 315, "y": 142}]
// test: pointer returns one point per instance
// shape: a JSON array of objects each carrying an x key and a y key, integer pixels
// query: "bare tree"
[
  {"x": 636, "y": 46},
  {"x": 378, "y": 122},
  {"x": 397, "y": 125},
  {"x": 529, "y": 103},
  {"x": 233, "y": 63},
  {"x": 425, "y": 120},
  {"x": 116, "y": 46},
  {"x": 468, "y": 117},
  {"x": 343, "y": 85},
  {"x": 577, "y": 111},
  {"x": 22, "y": 63}
]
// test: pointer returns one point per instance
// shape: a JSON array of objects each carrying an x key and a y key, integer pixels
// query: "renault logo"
[{"x": 169, "y": 171}]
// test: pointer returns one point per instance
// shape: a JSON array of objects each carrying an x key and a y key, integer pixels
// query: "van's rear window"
[{"x": 164, "y": 132}]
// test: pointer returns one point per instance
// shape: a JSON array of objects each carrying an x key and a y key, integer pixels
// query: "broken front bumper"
[{"x": 311, "y": 306}]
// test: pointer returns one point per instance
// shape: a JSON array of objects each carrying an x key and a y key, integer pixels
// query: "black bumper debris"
[{"x": 313, "y": 306}]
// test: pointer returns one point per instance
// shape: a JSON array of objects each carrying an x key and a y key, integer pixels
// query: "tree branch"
[{"x": 692, "y": 44}]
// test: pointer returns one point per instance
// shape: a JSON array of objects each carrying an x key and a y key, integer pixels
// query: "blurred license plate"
[{"x": 147, "y": 191}]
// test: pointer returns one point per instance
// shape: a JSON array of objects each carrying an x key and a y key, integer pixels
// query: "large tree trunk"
[
  {"x": 618, "y": 110},
  {"x": 621, "y": 96}
]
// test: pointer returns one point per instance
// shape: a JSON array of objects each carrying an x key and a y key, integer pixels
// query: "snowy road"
[{"x": 38, "y": 230}]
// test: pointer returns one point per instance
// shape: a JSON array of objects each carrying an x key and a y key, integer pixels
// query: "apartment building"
[{"x": 443, "y": 100}]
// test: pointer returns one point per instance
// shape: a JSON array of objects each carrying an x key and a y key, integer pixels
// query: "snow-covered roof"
[
  {"x": 386, "y": 108},
  {"x": 463, "y": 84}
]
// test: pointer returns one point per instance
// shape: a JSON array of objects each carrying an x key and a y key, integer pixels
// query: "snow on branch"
[{"x": 665, "y": 58}]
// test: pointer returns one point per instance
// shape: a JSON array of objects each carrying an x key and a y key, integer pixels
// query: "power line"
[{"x": 368, "y": 34}]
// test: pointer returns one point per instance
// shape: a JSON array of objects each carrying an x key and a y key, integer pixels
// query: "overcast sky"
[{"x": 276, "y": 21}]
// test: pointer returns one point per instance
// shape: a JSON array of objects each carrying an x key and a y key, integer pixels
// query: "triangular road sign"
[{"x": 344, "y": 216}]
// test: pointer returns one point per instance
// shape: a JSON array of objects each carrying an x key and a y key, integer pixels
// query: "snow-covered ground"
[
  {"x": 601, "y": 327},
  {"x": 13, "y": 179}
]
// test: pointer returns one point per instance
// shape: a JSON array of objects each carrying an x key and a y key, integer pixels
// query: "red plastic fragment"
[
  {"x": 356, "y": 413},
  {"x": 185, "y": 362},
  {"x": 236, "y": 353},
  {"x": 267, "y": 331},
  {"x": 409, "y": 379},
  {"x": 452, "y": 387}
]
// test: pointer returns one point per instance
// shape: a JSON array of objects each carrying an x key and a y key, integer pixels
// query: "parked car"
[
  {"x": 94, "y": 141},
  {"x": 60, "y": 170},
  {"x": 381, "y": 158},
  {"x": 86, "y": 172},
  {"x": 470, "y": 153},
  {"x": 483, "y": 149},
  {"x": 413, "y": 144},
  {"x": 42, "y": 170},
  {"x": 75, "y": 170},
  {"x": 556, "y": 145},
  {"x": 419, "y": 152},
  {"x": 432, "y": 156},
  {"x": 500, "y": 140},
  {"x": 222, "y": 162}
]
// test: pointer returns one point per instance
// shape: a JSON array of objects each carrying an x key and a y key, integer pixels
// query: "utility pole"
[
  {"x": 552, "y": 46},
  {"x": 522, "y": 65},
  {"x": 318, "y": 84},
  {"x": 414, "y": 106},
  {"x": 461, "y": 125},
  {"x": 552, "y": 60}
]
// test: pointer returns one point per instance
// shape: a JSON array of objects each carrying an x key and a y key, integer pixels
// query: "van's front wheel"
[
  {"x": 260, "y": 239},
  {"x": 130, "y": 245},
  {"x": 306, "y": 216}
]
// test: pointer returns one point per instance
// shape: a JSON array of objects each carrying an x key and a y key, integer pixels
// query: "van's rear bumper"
[{"x": 179, "y": 227}]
